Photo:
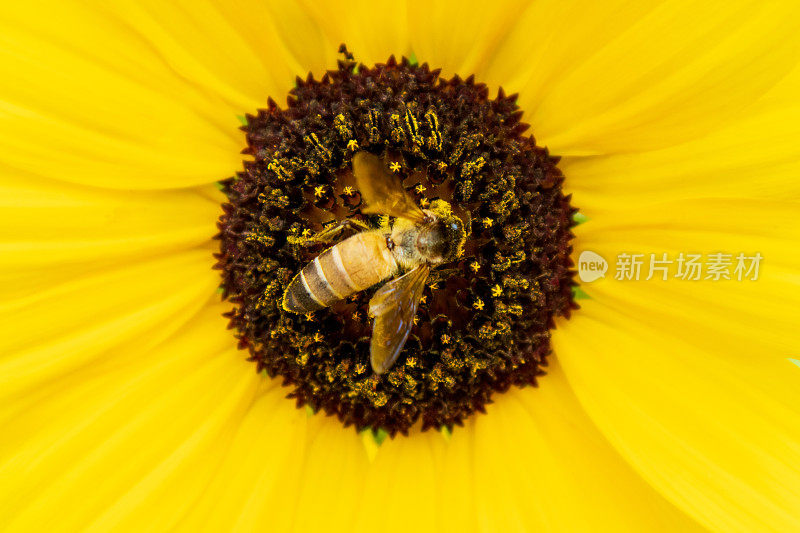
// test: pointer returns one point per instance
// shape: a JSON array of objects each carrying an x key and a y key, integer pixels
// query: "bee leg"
[
  {"x": 332, "y": 232},
  {"x": 442, "y": 274}
]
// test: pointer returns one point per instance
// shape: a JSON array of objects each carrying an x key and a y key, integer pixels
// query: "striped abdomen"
[{"x": 351, "y": 266}]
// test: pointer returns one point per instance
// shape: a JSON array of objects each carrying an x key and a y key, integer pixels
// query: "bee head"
[{"x": 442, "y": 239}]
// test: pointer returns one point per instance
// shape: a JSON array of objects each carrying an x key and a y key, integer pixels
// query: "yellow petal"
[
  {"x": 621, "y": 77},
  {"x": 692, "y": 381},
  {"x": 285, "y": 469},
  {"x": 140, "y": 95},
  {"x": 240, "y": 465},
  {"x": 533, "y": 462},
  {"x": 53, "y": 231},
  {"x": 710, "y": 440},
  {"x": 730, "y": 317},
  {"x": 757, "y": 155},
  {"x": 72, "y": 323},
  {"x": 184, "y": 434},
  {"x": 94, "y": 445},
  {"x": 325, "y": 479},
  {"x": 462, "y": 37},
  {"x": 372, "y": 30}
]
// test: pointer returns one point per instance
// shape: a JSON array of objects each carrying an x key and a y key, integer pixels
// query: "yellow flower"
[{"x": 667, "y": 405}]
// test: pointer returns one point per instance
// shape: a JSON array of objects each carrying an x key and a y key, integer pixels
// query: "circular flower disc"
[{"x": 483, "y": 319}]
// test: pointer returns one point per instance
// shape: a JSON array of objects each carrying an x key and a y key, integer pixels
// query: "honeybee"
[{"x": 417, "y": 241}]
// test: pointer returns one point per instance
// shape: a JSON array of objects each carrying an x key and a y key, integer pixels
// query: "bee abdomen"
[
  {"x": 351, "y": 266},
  {"x": 321, "y": 282}
]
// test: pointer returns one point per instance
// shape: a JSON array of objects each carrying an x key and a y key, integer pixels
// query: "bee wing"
[
  {"x": 394, "y": 307},
  {"x": 383, "y": 191}
]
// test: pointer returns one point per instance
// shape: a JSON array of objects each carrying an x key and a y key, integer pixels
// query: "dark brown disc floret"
[{"x": 484, "y": 321}]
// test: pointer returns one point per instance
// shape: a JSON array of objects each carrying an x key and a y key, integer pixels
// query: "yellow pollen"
[
  {"x": 424, "y": 202},
  {"x": 434, "y": 285},
  {"x": 352, "y": 144},
  {"x": 497, "y": 290},
  {"x": 478, "y": 304},
  {"x": 318, "y": 337},
  {"x": 420, "y": 188},
  {"x": 319, "y": 191},
  {"x": 475, "y": 266},
  {"x": 487, "y": 222},
  {"x": 423, "y": 298},
  {"x": 306, "y": 232},
  {"x": 445, "y": 339},
  {"x": 442, "y": 166},
  {"x": 415, "y": 320},
  {"x": 395, "y": 166},
  {"x": 356, "y": 315}
]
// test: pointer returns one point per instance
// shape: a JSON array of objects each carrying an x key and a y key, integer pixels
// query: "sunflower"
[{"x": 126, "y": 403}]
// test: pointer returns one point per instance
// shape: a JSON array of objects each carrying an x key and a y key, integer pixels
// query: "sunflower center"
[{"x": 484, "y": 313}]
